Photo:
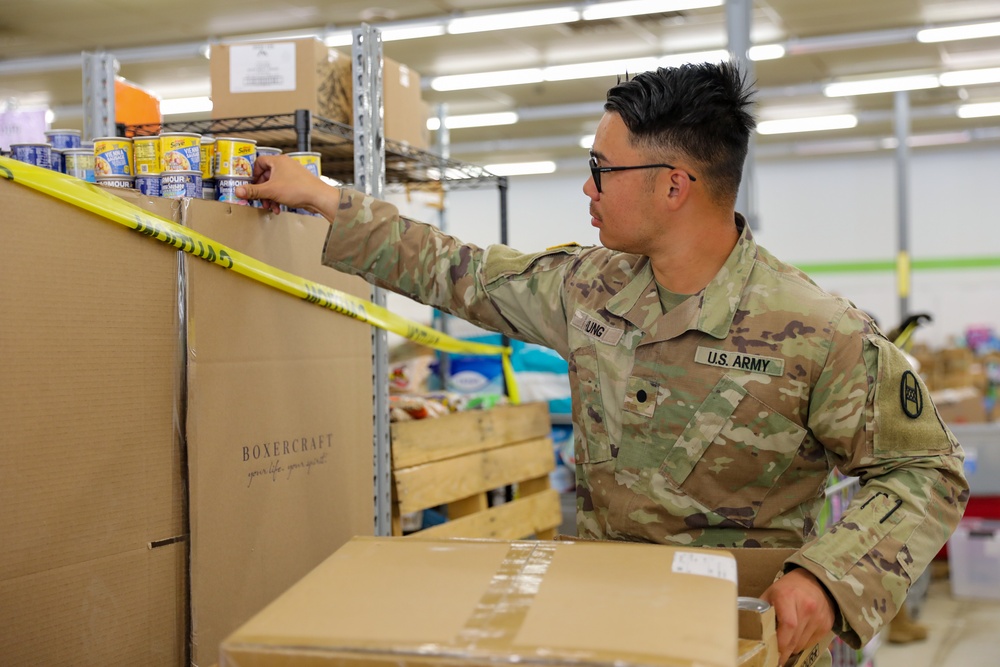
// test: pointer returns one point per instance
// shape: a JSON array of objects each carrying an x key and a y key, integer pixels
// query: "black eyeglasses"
[{"x": 596, "y": 171}]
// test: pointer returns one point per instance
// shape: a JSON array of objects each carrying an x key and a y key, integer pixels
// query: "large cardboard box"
[
  {"x": 182, "y": 443},
  {"x": 278, "y": 77},
  {"x": 406, "y": 601}
]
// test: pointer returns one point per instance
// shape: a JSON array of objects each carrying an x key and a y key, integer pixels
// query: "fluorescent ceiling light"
[
  {"x": 971, "y": 31},
  {"x": 587, "y": 141},
  {"x": 979, "y": 110},
  {"x": 474, "y": 120},
  {"x": 816, "y": 123},
  {"x": 412, "y": 32},
  {"x": 679, "y": 59},
  {"x": 521, "y": 168},
  {"x": 609, "y": 10},
  {"x": 487, "y": 79},
  {"x": 887, "y": 85},
  {"x": 971, "y": 77},
  {"x": 185, "y": 105},
  {"x": 602, "y": 68},
  {"x": 507, "y": 20},
  {"x": 766, "y": 52}
]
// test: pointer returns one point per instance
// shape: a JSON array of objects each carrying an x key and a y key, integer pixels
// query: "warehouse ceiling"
[{"x": 160, "y": 46}]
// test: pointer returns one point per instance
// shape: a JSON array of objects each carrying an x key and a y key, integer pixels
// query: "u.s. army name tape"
[{"x": 95, "y": 199}]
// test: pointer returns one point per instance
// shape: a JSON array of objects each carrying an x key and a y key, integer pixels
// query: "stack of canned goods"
[{"x": 170, "y": 164}]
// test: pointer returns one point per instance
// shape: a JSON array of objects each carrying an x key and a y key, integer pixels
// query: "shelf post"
[
  {"x": 369, "y": 177},
  {"x": 98, "y": 95}
]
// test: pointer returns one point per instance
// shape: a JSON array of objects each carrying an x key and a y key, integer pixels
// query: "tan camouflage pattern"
[{"x": 721, "y": 452}]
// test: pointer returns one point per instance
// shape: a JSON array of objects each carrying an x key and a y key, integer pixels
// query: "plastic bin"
[{"x": 974, "y": 559}]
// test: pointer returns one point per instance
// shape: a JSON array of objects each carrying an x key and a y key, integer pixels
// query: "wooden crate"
[{"x": 456, "y": 460}]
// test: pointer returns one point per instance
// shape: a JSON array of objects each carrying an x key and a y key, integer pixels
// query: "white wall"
[{"x": 812, "y": 211}]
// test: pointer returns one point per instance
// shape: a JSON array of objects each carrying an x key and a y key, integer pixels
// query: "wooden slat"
[
  {"x": 445, "y": 481},
  {"x": 426, "y": 440},
  {"x": 466, "y": 506},
  {"x": 530, "y": 515}
]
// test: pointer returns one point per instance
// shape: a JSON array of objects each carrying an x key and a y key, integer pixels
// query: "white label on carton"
[
  {"x": 707, "y": 565},
  {"x": 262, "y": 68}
]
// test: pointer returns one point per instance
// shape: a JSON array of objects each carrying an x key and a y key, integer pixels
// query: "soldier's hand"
[
  {"x": 803, "y": 609},
  {"x": 278, "y": 179}
]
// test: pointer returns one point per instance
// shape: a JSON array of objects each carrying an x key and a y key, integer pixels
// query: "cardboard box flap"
[{"x": 480, "y": 601}]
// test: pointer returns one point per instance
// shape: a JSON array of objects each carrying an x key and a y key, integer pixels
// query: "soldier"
[{"x": 714, "y": 387}]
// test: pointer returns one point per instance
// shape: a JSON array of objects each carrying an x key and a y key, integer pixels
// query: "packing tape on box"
[{"x": 97, "y": 200}]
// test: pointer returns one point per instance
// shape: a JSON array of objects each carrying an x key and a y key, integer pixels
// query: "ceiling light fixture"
[
  {"x": 474, "y": 120},
  {"x": 587, "y": 141},
  {"x": 570, "y": 72},
  {"x": 954, "y": 33},
  {"x": 766, "y": 52},
  {"x": 610, "y": 10},
  {"x": 182, "y": 105},
  {"x": 814, "y": 124},
  {"x": 886, "y": 85},
  {"x": 971, "y": 77},
  {"x": 979, "y": 110},
  {"x": 507, "y": 20},
  {"x": 391, "y": 34},
  {"x": 521, "y": 168}
]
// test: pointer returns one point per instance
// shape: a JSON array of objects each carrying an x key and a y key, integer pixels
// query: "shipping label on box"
[{"x": 262, "y": 68}]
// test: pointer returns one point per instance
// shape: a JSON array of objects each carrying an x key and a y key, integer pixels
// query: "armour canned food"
[
  {"x": 235, "y": 157},
  {"x": 56, "y": 160},
  {"x": 79, "y": 162},
  {"x": 39, "y": 155},
  {"x": 225, "y": 189},
  {"x": 207, "y": 158},
  {"x": 112, "y": 156},
  {"x": 178, "y": 184},
  {"x": 146, "y": 151},
  {"x": 63, "y": 138},
  {"x": 116, "y": 181},
  {"x": 148, "y": 184},
  {"x": 309, "y": 160},
  {"x": 181, "y": 152}
]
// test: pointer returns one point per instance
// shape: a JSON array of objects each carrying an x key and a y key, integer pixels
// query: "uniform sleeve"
[
  {"x": 875, "y": 418},
  {"x": 497, "y": 288}
]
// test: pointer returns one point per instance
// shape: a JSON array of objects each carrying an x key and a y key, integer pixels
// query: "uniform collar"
[{"x": 639, "y": 303}]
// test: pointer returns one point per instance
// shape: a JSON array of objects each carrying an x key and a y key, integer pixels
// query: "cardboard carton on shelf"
[
  {"x": 278, "y": 77},
  {"x": 167, "y": 477}
]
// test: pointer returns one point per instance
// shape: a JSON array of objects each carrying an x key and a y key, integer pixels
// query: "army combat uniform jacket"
[{"x": 718, "y": 423}]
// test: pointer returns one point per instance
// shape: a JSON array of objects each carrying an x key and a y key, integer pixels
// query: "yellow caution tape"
[{"x": 97, "y": 200}]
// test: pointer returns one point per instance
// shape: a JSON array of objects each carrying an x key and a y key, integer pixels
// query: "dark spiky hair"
[{"x": 699, "y": 112}]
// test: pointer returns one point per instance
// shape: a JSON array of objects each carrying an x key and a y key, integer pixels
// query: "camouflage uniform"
[{"x": 718, "y": 423}]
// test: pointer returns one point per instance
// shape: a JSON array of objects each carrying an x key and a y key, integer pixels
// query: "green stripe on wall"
[{"x": 890, "y": 265}]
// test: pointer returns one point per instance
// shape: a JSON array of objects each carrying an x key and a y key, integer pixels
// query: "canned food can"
[
  {"x": 56, "y": 161},
  {"x": 207, "y": 188},
  {"x": 113, "y": 156},
  {"x": 181, "y": 151},
  {"x": 178, "y": 184},
  {"x": 310, "y": 161},
  {"x": 207, "y": 158},
  {"x": 225, "y": 189},
  {"x": 235, "y": 157},
  {"x": 268, "y": 150},
  {"x": 79, "y": 162},
  {"x": 63, "y": 138},
  {"x": 116, "y": 181},
  {"x": 148, "y": 184},
  {"x": 39, "y": 155},
  {"x": 146, "y": 151}
]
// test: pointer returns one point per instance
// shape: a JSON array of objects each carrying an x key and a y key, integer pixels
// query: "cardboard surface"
[
  {"x": 279, "y": 429},
  {"x": 103, "y": 493},
  {"x": 420, "y": 601},
  {"x": 92, "y": 478}
]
